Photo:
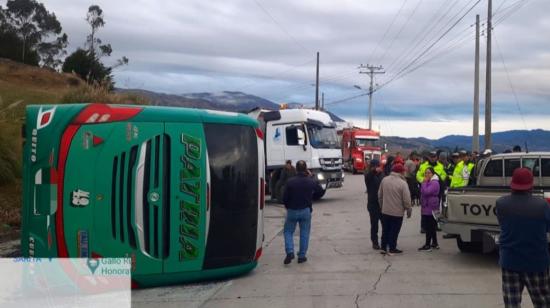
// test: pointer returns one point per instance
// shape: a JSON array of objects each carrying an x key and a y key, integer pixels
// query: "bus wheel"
[
  {"x": 468, "y": 247},
  {"x": 317, "y": 196}
]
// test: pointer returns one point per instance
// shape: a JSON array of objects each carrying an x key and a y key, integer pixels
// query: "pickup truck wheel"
[
  {"x": 318, "y": 196},
  {"x": 468, "y": 247}
]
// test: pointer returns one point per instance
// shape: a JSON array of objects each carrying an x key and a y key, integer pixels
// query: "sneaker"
[
  {"x": 288, "y": 258},
  {"x": 302, "y": 259},
  {"x": 425, "y": 248},
  {"x": 396, "y": 251},
  {"x": 386, "y": 253},
  {"x": 435, "y": 246},
  {"x": 375, "y": 246},
  {"x": 447, "y": 236}
]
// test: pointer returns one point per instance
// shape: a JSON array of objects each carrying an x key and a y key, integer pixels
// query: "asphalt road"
[{"x": 344, "y": 271}]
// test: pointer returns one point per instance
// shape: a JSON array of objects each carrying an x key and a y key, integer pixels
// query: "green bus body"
[{"x": 179, "y": 191}]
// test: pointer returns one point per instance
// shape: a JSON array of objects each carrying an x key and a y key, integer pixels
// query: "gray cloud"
[{"x": 195, "y": 46}]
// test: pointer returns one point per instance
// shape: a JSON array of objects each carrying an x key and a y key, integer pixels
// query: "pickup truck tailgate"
[{"x": 474, "y": 205}]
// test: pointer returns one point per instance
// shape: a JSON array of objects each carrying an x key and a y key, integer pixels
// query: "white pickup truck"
[{"x": 470, "y": 213}]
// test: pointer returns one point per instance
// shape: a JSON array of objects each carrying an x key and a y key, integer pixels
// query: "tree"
[
  {"x": 94, "y": 71},
  {"x": 50, "y": 52},
  {"x": 25, "y": 27},
  {"x": 82, "y": 63}
]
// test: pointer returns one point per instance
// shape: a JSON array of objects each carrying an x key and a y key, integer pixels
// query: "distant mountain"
[
  {"x": 232, "y": 101},
  {"x": 537, "y": 140},
  {"x": 225, "y": 101}
]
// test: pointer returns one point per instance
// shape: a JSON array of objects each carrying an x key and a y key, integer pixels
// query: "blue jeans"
[{"x": 303, "y": 218}]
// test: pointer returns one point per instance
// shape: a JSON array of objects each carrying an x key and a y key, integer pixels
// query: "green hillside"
[{"x": 21, "y": 85}]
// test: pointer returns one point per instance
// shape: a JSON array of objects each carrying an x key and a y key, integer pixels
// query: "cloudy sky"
[{"x": 267, "y": 48}]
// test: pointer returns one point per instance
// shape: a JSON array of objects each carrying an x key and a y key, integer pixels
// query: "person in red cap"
[
  {"x": 395, "y": 201},
  {"x": 524, "y": 221}
]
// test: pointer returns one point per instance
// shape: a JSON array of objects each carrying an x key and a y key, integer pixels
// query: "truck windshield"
[
  {"x": 364, "y": 142},
  {"x": 323, "y": 137}
]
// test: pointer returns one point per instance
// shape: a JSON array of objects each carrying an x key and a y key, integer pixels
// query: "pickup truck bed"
[{"x": 470, "y": 214}]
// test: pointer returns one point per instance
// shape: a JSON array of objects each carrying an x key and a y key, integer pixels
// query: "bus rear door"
[{"x": 188, "y": 195}]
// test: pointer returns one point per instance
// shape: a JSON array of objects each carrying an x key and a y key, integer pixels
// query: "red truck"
[{"x": 359, "y": 146}]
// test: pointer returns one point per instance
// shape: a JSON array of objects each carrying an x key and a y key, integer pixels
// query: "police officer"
[
  {"x": 435, "y": 164},
  {"x": 461, "y": 174},
  {"x": 451, "y": 167}
]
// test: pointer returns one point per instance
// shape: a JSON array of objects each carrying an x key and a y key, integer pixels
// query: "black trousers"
[
  {"x": 391, "y": 226},
  {"x": 429, "y": 224},
  {"x": 374, "y": 220}
]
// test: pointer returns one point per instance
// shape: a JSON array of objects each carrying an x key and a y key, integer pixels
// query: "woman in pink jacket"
[{"x": 429, "y": 198}]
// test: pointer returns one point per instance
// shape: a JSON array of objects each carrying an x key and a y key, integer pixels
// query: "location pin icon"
[{"x": 93, "y": 264}]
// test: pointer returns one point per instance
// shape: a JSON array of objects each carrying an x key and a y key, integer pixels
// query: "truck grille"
[{"x": 331, "y": 163}]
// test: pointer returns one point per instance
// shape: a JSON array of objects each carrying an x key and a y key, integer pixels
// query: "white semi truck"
[{"x": 301, "y": 134}]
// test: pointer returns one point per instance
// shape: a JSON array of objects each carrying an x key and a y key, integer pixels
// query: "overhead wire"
[
  {"x": 510, "y": 83},
  {"x": 399, "y": 32},
  {"x": 427, "y": 27},
  {"x": 372, "y": 53},
  {"x": 439, "y": 27},
  {"x": 431, "y": 46},
  {"x": 281, "y": 27}
]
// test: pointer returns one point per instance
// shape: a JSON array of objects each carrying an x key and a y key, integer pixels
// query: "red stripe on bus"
[{"x": 66, "y": 140}]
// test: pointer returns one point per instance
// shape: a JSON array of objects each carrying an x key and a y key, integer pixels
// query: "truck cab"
[
  {"x": 301, "y": 134},
  {"x": 470, "y": 213},
  {"x": 359, "y": 146}
]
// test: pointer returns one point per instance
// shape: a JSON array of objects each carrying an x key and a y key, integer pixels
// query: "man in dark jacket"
[
  {"x": 297, "y": 198},
  {"x": 372, "y": 180},
  {"x": 524, "y": 221}
]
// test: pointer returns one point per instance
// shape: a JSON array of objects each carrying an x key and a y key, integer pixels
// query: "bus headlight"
[{"x": 320, "y": 177}]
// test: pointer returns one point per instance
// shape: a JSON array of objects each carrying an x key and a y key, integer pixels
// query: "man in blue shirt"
[
  {"x": 524, "y": 221},
  {"x": 297, "y": 198}
]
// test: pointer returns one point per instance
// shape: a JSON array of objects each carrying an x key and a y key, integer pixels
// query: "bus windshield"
[
  {"x": 364, "y": 142},
  {"x": 323, "y": 137}
]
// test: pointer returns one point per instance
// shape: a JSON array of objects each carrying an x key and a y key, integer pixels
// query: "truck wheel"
[
  {"x": 318, "y": 196},
  {"x": 353, "y": 170},
  {"x": 468, "y": 247}
]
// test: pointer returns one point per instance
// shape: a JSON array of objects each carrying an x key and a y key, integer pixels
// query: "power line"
[
  {"x": 415, "y": 39},
  {"x": 510, "y": 83},
  {"x": 387, "y": 30},
  {"x": 281, "y": 27},
  {"x": 400, "y": 31},
  {"x": 432, "y": 45},
  {"x": 439, "y": 27},
  {"x": 442, "y": 31}
]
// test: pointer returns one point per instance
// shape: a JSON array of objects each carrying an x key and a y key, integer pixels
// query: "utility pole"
[
  {"x": 488, "y": 142},
  {"x": 371, "y": 71},
  {"x": 475, "y": 138},
  {"x": 317, "y": 85}
]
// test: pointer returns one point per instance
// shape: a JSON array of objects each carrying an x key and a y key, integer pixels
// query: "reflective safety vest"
[
  {"x": 461, "y": 175},
  {"x": 438, "y": 168},
  {"x": 470, "y": 167}
]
